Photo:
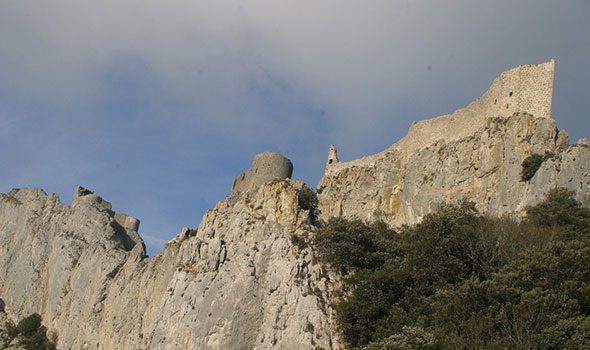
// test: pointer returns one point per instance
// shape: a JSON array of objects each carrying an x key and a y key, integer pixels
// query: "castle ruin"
[
  {"x": 524, "y": 89},
  {"x": 265, "y": 167},
  {"x": 474, "y": 153}
]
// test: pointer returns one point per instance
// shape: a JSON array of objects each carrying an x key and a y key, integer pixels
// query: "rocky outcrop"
[
  {"x": 236, "y": 282},
  {"x": 475, "y": 154},
  {"x": 55, "y": 259}
]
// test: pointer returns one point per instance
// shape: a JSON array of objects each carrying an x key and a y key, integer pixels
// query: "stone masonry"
[
  {"x": 527, "y": 88},
  {"x": 265, "y": 167},
  {"x": 474, "y": 153},
  {"x": 238, "y": 281}
]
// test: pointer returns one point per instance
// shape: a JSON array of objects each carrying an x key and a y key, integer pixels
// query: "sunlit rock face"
[
  {"x": 236, "y": 282},
  {"x": 474, "y": 153}
]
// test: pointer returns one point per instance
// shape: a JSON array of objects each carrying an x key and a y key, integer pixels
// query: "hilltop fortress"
[
  {"x": 265, "y": 167},
  {"x": 474, "y": 153},
  {"x": 239, "y": 280},
  {"x": 526, "y": 89}
]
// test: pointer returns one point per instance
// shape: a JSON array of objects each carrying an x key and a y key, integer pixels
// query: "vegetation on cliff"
[
  {"x": 28, "y": 333},
  {"x": 461, "y": 280},
  {"x": 532, "y": 163}
]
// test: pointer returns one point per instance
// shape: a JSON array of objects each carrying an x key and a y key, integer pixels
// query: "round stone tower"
[{"x": 265, "y": 167}]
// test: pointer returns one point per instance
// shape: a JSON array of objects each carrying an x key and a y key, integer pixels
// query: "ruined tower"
[{"x": 265, "y": 167}]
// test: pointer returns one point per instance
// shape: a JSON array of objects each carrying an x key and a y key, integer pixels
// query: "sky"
[{"x": 158, "y": 105}]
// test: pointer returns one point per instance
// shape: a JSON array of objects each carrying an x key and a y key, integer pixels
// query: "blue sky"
[{"x": 158, "y": 105}]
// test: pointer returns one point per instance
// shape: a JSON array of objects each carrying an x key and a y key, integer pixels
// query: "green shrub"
[
  {"x": 347, "y": 245},
  {"x": 411, "y": 338},
  {"x": 32, "y": 335},
  {"x": 29, "y": 324},
  {"x": 299, "y": 241},
  {"x": 39, "y": 341},
  {"x": 561, "y": 210},
  {"x": 521, "y": 307},
  {"x": 460, "y": 280},
  {"x": 532, "y": 163},
  {"x": 308, "y": 200},
  {"x": 11, "y": 333}
]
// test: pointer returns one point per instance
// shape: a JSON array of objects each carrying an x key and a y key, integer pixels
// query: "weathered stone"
[
  {"x": 475, "y": 154},
  {"x": 238, "y": 283},
  {"x": 265, "y": 167}
]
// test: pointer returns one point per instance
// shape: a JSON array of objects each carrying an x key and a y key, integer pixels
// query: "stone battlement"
[{"x": 524, "y": 89}]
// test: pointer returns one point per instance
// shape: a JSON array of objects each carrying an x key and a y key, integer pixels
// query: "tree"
[
  {"x": 461, "y": 280},
  {"x": 532, "y": 163},
  {"x": 561, "y": 210}
]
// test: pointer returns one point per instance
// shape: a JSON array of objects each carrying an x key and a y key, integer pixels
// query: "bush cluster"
[
  {"x": 532, "y": 163},
  {"x": 33, "y": 336},
  {"x": 461, "y": 280},
  {"x": 308, "y": 200}
]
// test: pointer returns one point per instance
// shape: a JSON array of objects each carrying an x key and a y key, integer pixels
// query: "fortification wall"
[
  {"x": 527, "y": 88},
  {"x": 265, "y": 167},
  {"x": 524, "y": 89}
]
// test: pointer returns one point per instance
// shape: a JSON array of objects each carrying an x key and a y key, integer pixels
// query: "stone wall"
[
  {"x": 265, "y": 167},
  {"x": 524, "y": 89},
  {"x": 474, "y": 154}
]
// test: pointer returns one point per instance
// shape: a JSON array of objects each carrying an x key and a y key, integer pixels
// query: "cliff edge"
[
  {"x": 475, "y": 153},
  {"x": 235, "y": 282}
]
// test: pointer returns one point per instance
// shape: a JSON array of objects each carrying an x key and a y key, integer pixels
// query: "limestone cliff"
[
  {"x": 236, "y": 282},
  {"x": 475, "y": 153}
]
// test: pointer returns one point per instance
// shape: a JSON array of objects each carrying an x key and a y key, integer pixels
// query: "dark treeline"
[{"x": 461, "y": 280}]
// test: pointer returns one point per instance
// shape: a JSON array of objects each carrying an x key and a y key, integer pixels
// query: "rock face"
[
  {"x": 474, "y": 154},
  {"x": 236, "y": 282},
  {"x": 56, "y": 259}
]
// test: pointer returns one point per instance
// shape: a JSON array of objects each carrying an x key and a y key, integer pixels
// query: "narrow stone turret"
[
  {"x": 265, "y": 167},
  {"x": 332, "y": 158}
]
